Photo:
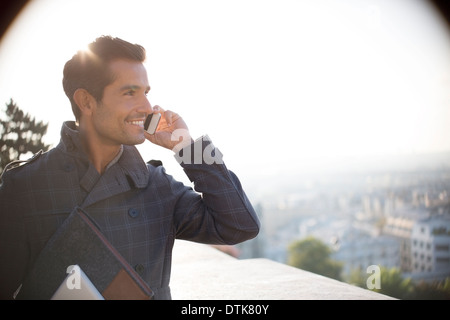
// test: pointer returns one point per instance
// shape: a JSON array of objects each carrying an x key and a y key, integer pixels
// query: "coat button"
[
  {"x": 67, "y": 167},
  {"x": 139, "y": 268},
  {"x": 133, "y": 212}
]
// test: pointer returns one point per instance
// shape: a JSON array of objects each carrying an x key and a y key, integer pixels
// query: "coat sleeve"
[{"x": 218, "y": 211}]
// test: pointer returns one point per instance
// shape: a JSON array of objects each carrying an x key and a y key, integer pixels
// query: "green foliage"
[
  {"x": 431, "y": 291},
  {"x": 313, "y": 255},
  {"x": 393, "y": 284},
  {"x": 358, "y": 278},
  {"x": 19, "y": 134}
]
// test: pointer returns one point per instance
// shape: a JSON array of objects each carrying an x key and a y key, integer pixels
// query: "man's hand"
[{"x": 172, "y": 132}]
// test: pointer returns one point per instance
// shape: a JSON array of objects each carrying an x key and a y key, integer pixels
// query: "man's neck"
[
  {"x": 99, "y": 154},
  {"x": 101, "y": 159}
]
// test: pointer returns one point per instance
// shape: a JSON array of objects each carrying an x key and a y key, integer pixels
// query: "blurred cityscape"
[{"x": 394, "y": 214}]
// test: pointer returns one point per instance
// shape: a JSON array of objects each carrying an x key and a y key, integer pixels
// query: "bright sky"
[{"x": 278, "y": 85}]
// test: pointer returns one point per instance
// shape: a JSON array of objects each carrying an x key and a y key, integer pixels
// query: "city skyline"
[{"x": 395, "y": 219}]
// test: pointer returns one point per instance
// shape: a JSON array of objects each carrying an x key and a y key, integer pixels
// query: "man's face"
[{"x": 119, "y": 118}]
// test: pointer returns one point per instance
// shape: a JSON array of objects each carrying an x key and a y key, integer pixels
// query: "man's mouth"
[{"x": 139, "y": 123}]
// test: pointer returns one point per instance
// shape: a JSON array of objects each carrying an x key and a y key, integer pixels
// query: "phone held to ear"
[{"x": 151, "y": 123}]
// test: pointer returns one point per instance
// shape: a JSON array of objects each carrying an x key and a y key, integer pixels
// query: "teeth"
[{"x": 137, "y": 123}]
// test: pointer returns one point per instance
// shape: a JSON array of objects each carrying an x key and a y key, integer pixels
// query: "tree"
[
  {"x": 394, "y": 284},
  {"x": 313, "y": 255},
  {"x": 19, "y": 134},
  {"x": 436, "y": 290}
]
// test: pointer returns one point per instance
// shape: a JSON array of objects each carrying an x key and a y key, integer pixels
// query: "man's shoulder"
[
  {"x": 155, "y": 163},
  {"x": 156, "y": 168},
  {"x": 22, "y": 162},
  {"x": 23, "y": 167}
]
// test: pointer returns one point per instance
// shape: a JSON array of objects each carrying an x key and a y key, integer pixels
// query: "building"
[
  {"x": 425, "y": 246},
  {"x": 430, "y": 248}
]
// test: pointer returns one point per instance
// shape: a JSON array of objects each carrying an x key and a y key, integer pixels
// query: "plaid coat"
[{"x": 138, "y": 206}]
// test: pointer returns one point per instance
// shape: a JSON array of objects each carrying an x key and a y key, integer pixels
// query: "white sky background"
[{"x": 300, "y": 83}]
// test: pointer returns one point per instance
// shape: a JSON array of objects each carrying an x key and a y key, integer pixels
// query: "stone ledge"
[{"x": 201, "y": 272}]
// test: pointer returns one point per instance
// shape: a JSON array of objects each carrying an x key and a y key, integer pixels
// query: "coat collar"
[{"x": 127, "y": 172}]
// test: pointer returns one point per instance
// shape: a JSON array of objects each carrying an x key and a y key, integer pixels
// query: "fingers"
[
  {"x": 158, "y": 109},
  {"x": 168, "y": 132},
  {"x": 169, "y": 116}
]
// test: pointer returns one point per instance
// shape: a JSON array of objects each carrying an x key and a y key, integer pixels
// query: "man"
[{"x": 140, "y": 209}]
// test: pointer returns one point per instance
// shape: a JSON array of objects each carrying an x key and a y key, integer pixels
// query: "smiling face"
[{"x": 119, "y": 117}]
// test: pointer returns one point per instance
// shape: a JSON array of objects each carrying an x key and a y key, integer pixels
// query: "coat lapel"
[{"x": 126, "y": 174}]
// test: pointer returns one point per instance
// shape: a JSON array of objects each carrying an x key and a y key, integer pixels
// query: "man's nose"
[{"x": 145, "y": 106}]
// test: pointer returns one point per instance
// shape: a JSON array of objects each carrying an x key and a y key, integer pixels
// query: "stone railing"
[{"x": 201, "y": 272}]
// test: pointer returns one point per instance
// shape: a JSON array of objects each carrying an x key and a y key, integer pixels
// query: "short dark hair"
[{"x": 89, "y": 69}]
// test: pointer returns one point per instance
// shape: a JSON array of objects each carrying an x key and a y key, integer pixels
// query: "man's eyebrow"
[{"x": 133, "y": 87}]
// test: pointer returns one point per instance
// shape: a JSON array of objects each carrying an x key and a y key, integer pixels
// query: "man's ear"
[{"x": 84, "y": 100}]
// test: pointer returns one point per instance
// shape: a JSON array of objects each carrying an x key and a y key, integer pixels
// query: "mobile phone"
[{"x": 151, "y": 123}]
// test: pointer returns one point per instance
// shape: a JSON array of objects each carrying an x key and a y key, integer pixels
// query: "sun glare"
[{"x": 303, "y": 79}]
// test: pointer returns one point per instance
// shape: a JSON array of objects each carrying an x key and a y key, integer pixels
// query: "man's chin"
[{"x": 135, "y": 141}]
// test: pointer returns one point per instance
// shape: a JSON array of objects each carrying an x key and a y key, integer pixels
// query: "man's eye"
[{"x": 130, "y": 93}]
